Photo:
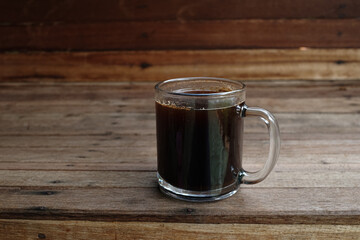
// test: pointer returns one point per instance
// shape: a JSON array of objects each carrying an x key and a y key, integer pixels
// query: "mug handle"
[{"x": 274, "y": 133}]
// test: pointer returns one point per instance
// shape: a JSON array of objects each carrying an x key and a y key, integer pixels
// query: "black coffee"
[{"x": 198, "y": 150}]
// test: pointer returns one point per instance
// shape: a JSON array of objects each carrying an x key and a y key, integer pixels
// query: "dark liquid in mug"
[{"x": 198, "y": 150}]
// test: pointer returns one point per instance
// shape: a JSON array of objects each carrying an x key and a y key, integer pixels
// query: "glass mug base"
[{"x": 197, "y": 196}]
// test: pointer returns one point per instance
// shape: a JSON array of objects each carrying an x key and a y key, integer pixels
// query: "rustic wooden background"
[
  {"x": 127, "y": 40},
  {"x": 78, "y": 160}
]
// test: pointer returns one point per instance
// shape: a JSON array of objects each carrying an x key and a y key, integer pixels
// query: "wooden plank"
[
  {"x": 30, "y": 229},
  {"x": 122, "y": 95},
  {"x": 344, "y": 104},
  {"x": 69, "y": 99},
  {"x": 129, "y": 94},
  {"x": 181, "y": 57},
  {"x": 42, "y": 159},
  {"x": 223, "y": 34},
  {"x": 136, "y": 123},
  {"x": 327, "y": 151},
  {"x": 249, "y": 205},
  {"x": 284, "y": 176},
  {"x": 96, "y": 142},
  {"x": 111, "y": 10},
  {"x": 123, "y": 66},
  {"x": 58, "y": 180},
  {"x": 126, "y": 155},
  {"x": 138, "y": 152},
  {"x": 235, "y": 231},
  {"x": 81, "y": 230},
  {"x": 65, "y": 165},
  {"x": 113, "y": 160}
]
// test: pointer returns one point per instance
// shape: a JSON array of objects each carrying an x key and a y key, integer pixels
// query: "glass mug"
[{"x": 199, "y": 126}]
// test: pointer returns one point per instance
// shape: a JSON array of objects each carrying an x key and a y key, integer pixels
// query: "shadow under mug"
[{"x": 199, "y": 127}]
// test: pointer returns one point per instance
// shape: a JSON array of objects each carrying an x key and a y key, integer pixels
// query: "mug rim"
[{"x": 237, "y": 83}]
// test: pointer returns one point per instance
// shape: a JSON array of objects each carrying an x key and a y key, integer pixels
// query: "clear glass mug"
[{"x": 199, "y": 126}]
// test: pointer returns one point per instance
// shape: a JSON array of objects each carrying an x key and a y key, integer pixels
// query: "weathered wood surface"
[
  {"x": 250, "y": 205},
  {"x": 86, "y": 151},
  {"x": 141, "y": 10},
  {"x": 283, "y": 176},
  {"x": 212, "y": 34},
  {"x": 85, "y": 230},
  {"x": 254, "y": 64},
  {"x": 125, "y": 25}
]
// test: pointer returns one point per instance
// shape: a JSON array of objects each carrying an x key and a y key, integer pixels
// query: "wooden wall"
[{"x": 139, "y": 40}]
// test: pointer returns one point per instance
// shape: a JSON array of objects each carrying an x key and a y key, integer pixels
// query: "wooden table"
[{"x": 78, "y": 161}]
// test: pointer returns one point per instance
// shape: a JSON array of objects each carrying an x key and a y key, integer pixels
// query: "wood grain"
[
  {"x": 68, "y": 230},
  {"x": 25, "y": 229},
  {"x": 69, "y": 135},
  {"x": 215, "y": 34},
  {"x": 58, "y": 124},
  {"x": 75, "y": 164},
  {"x": 339, "y": 103},
  {"x": 117, "y": 100},
  {"x": 124, "y": 66},
  {"x": 109, "y": 94},
  {"x": 109, "y": 141},
  {"x": 307, "y": 175},
  {"x": 112, "y": 10},
  {"x": 249, "y": 205},
  {"x": 127, "y": 158},
  {"x": 237, "y": 231},
  {"x": 141, "y": 140}
]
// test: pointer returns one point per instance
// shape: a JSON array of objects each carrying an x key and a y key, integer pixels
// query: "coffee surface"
[
  {"x": 219, "y": 90},
  {"x": 198, "y": 149}
]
